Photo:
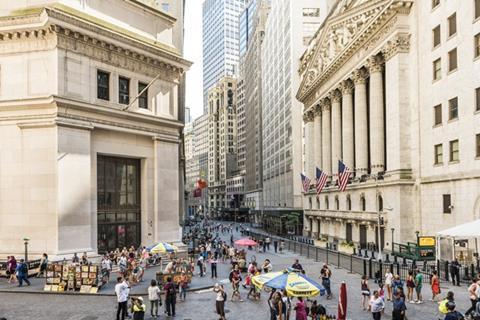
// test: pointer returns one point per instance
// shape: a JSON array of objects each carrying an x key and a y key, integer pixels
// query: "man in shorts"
[{"x": 418, "y": 286}]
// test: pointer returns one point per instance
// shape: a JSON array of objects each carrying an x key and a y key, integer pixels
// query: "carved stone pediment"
[{"x": 349, "y": 26}]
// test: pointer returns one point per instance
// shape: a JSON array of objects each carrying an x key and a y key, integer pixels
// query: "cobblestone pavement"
[{"x": 200, "y": 304}]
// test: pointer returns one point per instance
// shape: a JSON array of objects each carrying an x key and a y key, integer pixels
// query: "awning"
[{"x": 467, "y": 230}]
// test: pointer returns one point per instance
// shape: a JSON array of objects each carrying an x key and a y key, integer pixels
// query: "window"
[
  {"x": 453, "y": 108},
  {"x": 437, "y": 110},
  {"x": 380, "y": 203},
  {"x": 318, "y": 203},
  {"x": 477, "y": 9},
  {"x": 435, "y": 3},
  {"x": 311, "y": 12},
  {"x": 363, "y": 204},
  {"x": 436, "y": 36},
  {"x": 326, "y": 203},
  {"x": 337, "y": 203},
  {"x": 454, "y": 153},
  {"x": 477, "y": 99},
  {"x": 437, "y": 69},
  {"x": 477, "y": 45},
  {"x": 477, "y": 141},
  {"x": 349, "y": 203},
  {"x": 447, "y": 203},
  {"x": 103, "y": 85},
  {"x": 143, "y": 98},
  {"x": 452, "y": 60},
  {"x": 452, "y": 24},
  {"x": 123, "y": 90},
  {"x": 309, "y": 203},
  {"x": 438, "y": 154}
]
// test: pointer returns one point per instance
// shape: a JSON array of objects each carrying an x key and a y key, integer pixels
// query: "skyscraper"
[
  {"x": 220, "y": 41},
  {"x": 252, "y": 31},
  {"x": 290, "y": 26}
]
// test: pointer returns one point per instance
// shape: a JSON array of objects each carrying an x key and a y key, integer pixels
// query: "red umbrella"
[
  {"x": 245, "y": 242},
  {"x": 342, "y": 302}
]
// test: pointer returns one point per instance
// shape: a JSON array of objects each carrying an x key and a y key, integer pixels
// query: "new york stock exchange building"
[
  {"x": 90, "y": 126},
  {"x": 392, "y": 88}
]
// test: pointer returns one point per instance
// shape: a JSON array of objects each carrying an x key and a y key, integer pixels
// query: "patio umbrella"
[
  {"x": 342, "y": 302},
  {"x": 296, "y": 284},
  {"x": 245, "y": 242},
  {"x": 162, "y": 247}
]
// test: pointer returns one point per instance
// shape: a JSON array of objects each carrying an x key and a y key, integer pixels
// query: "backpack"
[{"x": 24, "y": 268}]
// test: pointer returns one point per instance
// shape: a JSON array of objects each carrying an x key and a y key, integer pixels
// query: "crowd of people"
[{"x": 212, "y": 243}]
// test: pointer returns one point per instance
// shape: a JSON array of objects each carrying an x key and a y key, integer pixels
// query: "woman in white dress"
[{"x": 388, "y": 284}]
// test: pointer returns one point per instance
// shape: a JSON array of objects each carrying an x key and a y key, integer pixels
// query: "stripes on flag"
[
  {"x": 305, "y": 182},
  {"x": 321, "y": 180},
  {"x": 343, "y": 176}
]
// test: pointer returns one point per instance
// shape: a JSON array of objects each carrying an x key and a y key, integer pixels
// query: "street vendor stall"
[
  {"x": 72, "y": 277},
  {"x": 456, "y": 242}
]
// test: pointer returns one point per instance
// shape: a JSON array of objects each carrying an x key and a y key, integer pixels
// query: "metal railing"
[{"x": 364, "y": 264}]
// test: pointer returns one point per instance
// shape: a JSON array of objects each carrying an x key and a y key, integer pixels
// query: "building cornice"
[{"x": 85, "y": 34}]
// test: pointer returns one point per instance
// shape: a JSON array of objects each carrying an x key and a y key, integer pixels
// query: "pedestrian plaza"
[{"x": 200, "y": 300}]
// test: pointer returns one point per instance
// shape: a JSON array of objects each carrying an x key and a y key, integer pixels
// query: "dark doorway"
[
  {"x": 118, "y": 203},
  {"x": 348, "y": 232},
  {"x": 363, "y": 236}
]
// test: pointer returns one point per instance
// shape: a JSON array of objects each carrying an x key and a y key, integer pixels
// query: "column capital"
[
  {"x": 317, "y": 110},
  {"x": 308, "y": 116},
  {"x": 326, "y": 104},
  {"x": 399, "y": 43},
  {"x": 359, "y": 76},
  {"x": 335, "y": 96},
  {"x": 346, "y": 87},
  {"x": 375, "y": 63}
]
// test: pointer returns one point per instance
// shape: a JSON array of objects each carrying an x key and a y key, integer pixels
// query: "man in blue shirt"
[{"x": 22, "y": 273}]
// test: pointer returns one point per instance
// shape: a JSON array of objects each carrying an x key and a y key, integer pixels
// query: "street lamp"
[
  {"x": 417, "y": 233},
  {"x": 25, "y": 242}
]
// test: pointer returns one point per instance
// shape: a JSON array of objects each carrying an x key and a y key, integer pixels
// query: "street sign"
[{"x": 426, "y": 241}]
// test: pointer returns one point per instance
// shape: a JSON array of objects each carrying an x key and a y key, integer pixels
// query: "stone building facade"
[
  {"x": 392, "y": 88},
  {"x": 222, "y": 140},
  {"x": 88, "y": 164}
]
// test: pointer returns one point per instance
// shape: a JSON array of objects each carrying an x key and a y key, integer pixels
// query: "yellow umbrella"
[
  {"x": 263, "y": 278},
  {"x": 163, "y": 247},
  {"x": 295, "y": 283}
]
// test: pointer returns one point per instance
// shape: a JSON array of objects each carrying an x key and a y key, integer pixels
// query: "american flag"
[
  {"x": 343, "y": 176},
  {"x": 321, "y": 181},
  {"x": 305, "y": 182}
]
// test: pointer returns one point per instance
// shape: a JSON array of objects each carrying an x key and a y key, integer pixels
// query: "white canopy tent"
[{"x": 470, "y": 230}]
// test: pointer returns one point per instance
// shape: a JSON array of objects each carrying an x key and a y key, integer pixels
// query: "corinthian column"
[
  {"x": 317, "y": 132},
  {"x": 361, "y": 132},
  {"x": 326, "y": 138},
  {"x": 308, "y": 143},
  {"x": 346, "y": 88},
  {"x": 377, "y": 136},
  {"x": 336, "y": 98}
]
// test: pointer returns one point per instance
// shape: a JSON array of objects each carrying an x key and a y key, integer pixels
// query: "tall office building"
[
  {"x": 220, "y": 41},
  {"x": 222, "y": 137},
  {"x": 197, "y": 163},
  {"x": 252, "y": 31},
  {"x": 289, "y": 27}
]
